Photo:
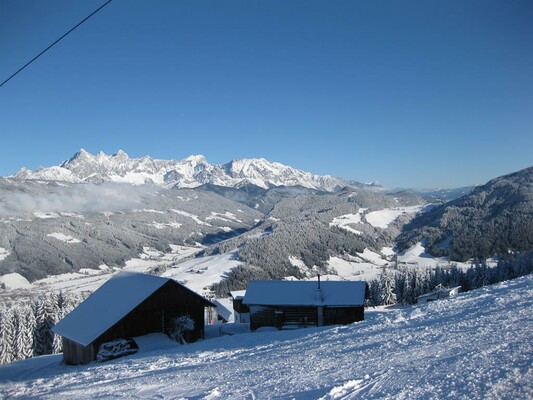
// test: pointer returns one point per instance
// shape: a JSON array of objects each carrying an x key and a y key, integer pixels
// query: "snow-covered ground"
[
  {"x": 14, "y": 281},
  {"x": 63, "y": 238},
  {"x": 417, "y": 256},
  {"x": 354, "y": 269},
  {"x": 378, "y": 219},
  {"x": 474, "y": 346},
  {"x": 195, "y": 218},
  {"x": 199, "y": 273},
  {"x": 344, "y": 221},
  {"x": 382, "y": 218},
  {"x": 90, "y": 280},
  {"x": 3, "y": 253}
]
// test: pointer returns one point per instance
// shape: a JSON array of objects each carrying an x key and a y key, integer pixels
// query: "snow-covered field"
[
  {"x": 90, "y": 280},
  {"x": 195, "y": 273},
  {"x": 14, "y": 281},
  {"x": 199, "y": 273},
  {"x": 3, "y": 253},
  {"x": 417, "y": 256},
  {"x": 63, "y": 238},
  {"x": 474, "y": 346},
  {"x": 383, "y": 218}
]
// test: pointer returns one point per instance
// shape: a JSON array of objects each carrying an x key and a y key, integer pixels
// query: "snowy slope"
[
  {"x": 383, "y": 218},
  {"x": 14, "y": 281},
  {"x": 195, "y": 273},
  {"x": 190, "y": 172},
  {"x": 475, "y": 346},
  {"x": 200, "y": 273}
]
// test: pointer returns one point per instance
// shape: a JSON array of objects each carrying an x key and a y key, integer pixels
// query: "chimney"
[
  {"x": 319, "y": 296},
  {"x": 319, "y": 308}
]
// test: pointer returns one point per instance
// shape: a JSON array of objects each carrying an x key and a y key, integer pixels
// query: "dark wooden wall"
[
  {"x": 279, "y": 316},
  {"x": 343, "y": 315},
  {"x": 239, "y": 307},
  {"x": 74, "y": 353},
  {"x": 155, "y": 314}
]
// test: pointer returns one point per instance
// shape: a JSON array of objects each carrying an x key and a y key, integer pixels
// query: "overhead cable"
[{"x": 49, "y": 47}]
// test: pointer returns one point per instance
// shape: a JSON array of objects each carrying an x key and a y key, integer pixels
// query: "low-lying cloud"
[{"x": 76, "y": 198}]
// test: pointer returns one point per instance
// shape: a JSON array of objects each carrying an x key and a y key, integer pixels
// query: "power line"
[{"x": 52, "y": 45}]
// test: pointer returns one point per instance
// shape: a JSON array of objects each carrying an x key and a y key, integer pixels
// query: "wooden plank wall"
[
  {"x": 74, "y": 353},
  {"x": 279, "y": 316},
  {"x": 155, "y": 314}
]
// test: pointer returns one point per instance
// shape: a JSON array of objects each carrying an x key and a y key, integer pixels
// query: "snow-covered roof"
[
  {"x": 107, "y": 305},
  {"x": 304, "y": 293},
  {"x": 237, "y": 294},
  {"x": 223, "y": 310}
]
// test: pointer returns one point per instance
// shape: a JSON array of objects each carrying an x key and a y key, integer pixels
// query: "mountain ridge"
[
  {"x": 191, "y": 172},
  {"x": 494, "y": 218}
]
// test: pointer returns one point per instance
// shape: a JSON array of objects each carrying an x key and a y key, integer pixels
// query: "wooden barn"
[
  {"x": 129, "y": 304},
  {"x": 294, "y": 304}
]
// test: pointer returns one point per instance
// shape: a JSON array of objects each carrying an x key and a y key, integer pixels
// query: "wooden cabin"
[
  {"x": 223, "y": 312},
  {"x": 129, "y": 304},
  {"x": 241, "y": 312},
  {"x": 440, "y": 292},
  {"x": 295, "y": 304}
]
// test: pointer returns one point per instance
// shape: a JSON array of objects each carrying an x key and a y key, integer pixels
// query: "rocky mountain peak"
[{"x": 190, "y": 172}]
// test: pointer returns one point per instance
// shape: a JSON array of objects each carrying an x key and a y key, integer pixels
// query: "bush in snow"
[
  {"x": 115, "y": 349},
  {"x": 181, "y": 325}
]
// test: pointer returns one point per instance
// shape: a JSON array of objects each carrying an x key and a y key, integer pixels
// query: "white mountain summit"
[{"x": 190, "y": 172}]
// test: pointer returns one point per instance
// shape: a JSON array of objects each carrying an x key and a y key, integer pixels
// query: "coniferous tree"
[
  {"x": 387, "y": 289},
  {"x": 16, "y": 340},
  {"x": 25, "y": 332},
  {"x": 408, "y": 290},
  {"x": 6, "y": 336},
  {"x": 375, "y": 292},
  {"x": 45, "y": 319}
]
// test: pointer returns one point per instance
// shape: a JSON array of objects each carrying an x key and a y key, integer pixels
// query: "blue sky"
[{"x": 409, "y": 93}]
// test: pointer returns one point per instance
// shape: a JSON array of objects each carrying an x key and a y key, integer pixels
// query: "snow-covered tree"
[
  {"x": 181, "y": 325},
  {"x": 375, "y": 292},
  {"x": 7, "y": 333},
  {"x": 408, "y": 289},
  {"x": 46, "y": 315},
  {"x": 26, "y": 328},
  {"x": 387, "y": 288}
]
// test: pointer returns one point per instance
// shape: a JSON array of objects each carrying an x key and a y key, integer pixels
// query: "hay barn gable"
[{"x": 127, "y": 305}]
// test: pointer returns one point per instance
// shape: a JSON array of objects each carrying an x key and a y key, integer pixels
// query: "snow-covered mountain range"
[{"x": 190, "y": 172}]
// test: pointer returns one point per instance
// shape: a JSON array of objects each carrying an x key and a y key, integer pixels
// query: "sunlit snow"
[
  {"x": 199, "y": 273},
  {"x": 474, "y": 346},
  {"x": 195, "y": 218},
  {"x": 14, "y": 281},
  {"x": 64, "y": 238},
  {"x": 382, "y": 218},
  {"x": 344, "y": 221},
  {"x": 3, "y": 253}
]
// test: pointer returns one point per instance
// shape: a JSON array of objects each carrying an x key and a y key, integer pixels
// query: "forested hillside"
[
  {"x": 302, "y": 228},
  {"x": 492, "y": 220},
  {"x": 49, "y": 228}
]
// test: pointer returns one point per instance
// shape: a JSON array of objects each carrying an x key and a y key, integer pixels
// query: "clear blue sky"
[{"x": 409, "y": 93}]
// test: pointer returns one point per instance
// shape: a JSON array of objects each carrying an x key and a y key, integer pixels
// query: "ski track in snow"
[{"x": 474, "y": 346}]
